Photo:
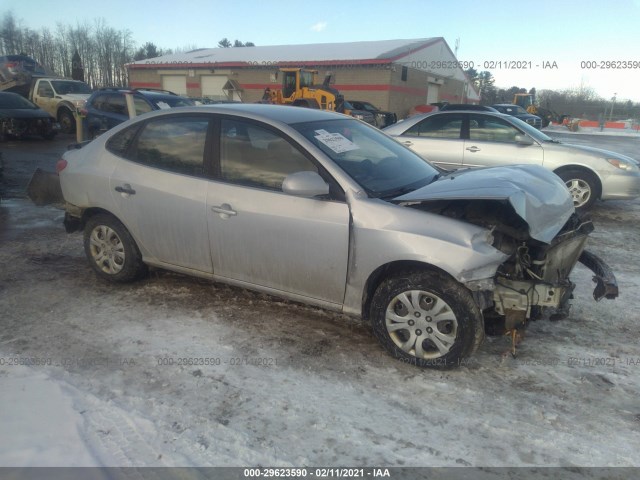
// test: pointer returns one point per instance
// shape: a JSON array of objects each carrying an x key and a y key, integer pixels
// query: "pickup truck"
[{"x": 60, "y": 97}]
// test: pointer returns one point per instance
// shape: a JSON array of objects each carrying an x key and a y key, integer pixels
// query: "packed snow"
[{"x": 177, "y": 371}]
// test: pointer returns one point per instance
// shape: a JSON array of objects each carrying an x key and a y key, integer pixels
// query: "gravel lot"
[{"x": 287, "y": 384}]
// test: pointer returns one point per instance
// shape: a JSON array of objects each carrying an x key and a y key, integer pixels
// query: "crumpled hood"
[{"x": 537, "y": 195}]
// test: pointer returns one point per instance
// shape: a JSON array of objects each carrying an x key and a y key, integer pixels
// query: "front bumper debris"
[
  {"x": 44, "y": 188},
  {"x": 606, "y": 283}
]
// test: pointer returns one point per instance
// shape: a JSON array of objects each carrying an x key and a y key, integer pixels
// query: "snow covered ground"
[{"x": 176, "y": 371}]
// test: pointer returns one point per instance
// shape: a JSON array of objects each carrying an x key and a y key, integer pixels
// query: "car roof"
[
  {"x": 466, "y": 107},
  {"x": 264, "y": 112},
  {"x": 409, "y": 122}
]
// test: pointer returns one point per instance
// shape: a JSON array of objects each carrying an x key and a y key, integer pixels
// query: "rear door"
[
  {"x": 438, "y": 138},
  {"x": 492, "y": 142},
  {"x": 262, "y": 236},
  {"x": 160, "y": 187}
]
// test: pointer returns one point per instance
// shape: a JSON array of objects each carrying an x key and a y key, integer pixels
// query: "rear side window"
[
  {"x": 174, "y": 144},
  {"x": 121, "y": 141},
  {"x": 439, "y": 126}
]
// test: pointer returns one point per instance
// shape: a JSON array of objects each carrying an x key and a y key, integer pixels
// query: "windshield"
[
  {"x": 380, "y": 165},
  {"x": 64, "y": 88},
  {"x": 531, "y": 131},
  {"x": 171, "y": 101},
  {"x": 369, "y": 107},
  {"x": 13, "y": 100}
]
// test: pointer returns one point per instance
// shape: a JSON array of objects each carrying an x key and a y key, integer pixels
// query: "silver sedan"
[
  {"x": 455, "y": 140},
  {"x": 323, "y": 209}
]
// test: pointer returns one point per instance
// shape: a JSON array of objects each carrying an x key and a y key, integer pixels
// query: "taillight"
[
  {"x": 12, "y": 64},
  {"x": 61, "y": 165}
]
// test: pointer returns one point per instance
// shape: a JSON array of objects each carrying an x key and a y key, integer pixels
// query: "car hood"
[
  {"x": 536, "y": 195},
  {"x": 23, "y": 113},
  {"x": 596, "y": 152}
]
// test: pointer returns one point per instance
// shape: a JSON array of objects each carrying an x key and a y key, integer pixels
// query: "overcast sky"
[{"x": 539, "y": 33}]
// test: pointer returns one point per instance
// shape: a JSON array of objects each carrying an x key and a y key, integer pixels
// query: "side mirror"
[
  {"x": 523, "y": 140},
  {"x": 305, "y": 184}
]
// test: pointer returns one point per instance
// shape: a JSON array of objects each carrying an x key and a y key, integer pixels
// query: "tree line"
[
  {"x": 580, "y": 102},
  {"x": 101, "y": 50}
]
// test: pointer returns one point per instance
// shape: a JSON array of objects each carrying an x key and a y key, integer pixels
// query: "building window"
[{"x": 405, "y": 71}]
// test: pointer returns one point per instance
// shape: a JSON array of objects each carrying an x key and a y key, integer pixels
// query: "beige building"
[{"x": 394, "y": 75}]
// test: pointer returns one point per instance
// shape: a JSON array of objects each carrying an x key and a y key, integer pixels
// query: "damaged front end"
[{"x": 544, "y": 240}]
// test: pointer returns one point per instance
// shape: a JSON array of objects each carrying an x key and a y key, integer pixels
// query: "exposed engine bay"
[{"x": 534, "y": 282}]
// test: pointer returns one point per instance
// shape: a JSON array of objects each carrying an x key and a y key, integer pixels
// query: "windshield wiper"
[{"x": 407, "y": 188}]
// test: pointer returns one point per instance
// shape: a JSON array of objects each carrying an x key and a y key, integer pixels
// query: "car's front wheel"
[
  {"x": 111, "y": 250},
  {"x": 67, "y": 121},
  {"x": 583, "y": 187},
  {"x": 426, "y": 318}
]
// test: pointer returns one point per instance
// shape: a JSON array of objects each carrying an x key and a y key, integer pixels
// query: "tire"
[
  {"x": 583, "y": 187},
  {"x": 111, "y": 250},
  {"x": 431, "y": 307},
  {"x": 67, "y": 121}
]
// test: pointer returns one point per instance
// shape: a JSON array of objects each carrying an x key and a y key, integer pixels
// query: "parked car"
[
  {"x": 519, "y": 112},
  {"x": 455, "y": 140},
  {"x": 18, "y": 67},
  {"x": 348, "y": 109},
  {"x": 323, "y": 209},
  {"x": 21, "y": 118},
  {"x": 465, "y": 106},
  {"x": 107, "y": 107},
  {"x": 383, "y": 119}
]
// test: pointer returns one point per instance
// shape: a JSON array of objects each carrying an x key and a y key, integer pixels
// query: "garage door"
[
  {"x": 175, "y": 83},
  {"x": 212, "y": 86},
  {"x": 432, "y": 93}
]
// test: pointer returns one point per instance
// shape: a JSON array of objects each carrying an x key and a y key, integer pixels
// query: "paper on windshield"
[{"x": 335, "y": 141}]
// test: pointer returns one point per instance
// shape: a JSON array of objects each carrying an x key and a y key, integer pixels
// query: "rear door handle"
[
  {"x": 473, "y": 149},
  {"x": 126, "y": 188},
  {"x": 224, "y": 210}
]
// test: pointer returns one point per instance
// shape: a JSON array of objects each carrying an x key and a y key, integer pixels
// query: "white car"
[{"x": 460, "y": 139}]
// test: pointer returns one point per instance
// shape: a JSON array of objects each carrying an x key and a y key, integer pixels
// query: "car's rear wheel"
[
  {"x": 425, "y": 318},
  {"x": 111, "y": 250},
  {"x": 583, "y": 187}
]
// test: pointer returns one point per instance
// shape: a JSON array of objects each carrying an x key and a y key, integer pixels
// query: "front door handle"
[
  {"x": 473, "y": 149},
  {"x": 408, "y": 143},
  {"x": 126, "y": 188},
  {"x": 224, "y": 210}
]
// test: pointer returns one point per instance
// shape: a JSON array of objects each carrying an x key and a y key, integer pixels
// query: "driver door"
[{"x": 262, "y": 236}]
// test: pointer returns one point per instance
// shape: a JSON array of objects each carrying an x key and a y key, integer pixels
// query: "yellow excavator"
[
  {"x": 527, "y": 101},
  {"x": 299, "y": 89}
]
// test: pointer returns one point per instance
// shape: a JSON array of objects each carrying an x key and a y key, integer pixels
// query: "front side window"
[
  {"x": 491, "y": 129},
  {"x": 254, "y": 156},
  {"x": 174, "y": 144},
  {"x": 438, "y": 126}
]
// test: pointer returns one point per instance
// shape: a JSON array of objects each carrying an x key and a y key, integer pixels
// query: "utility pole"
[{"x": 613, "y": 104}]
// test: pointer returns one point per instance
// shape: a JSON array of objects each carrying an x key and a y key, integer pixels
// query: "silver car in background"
[
  {"x": 323, "y": 209},
  {"x": 458, "y": 139}
]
